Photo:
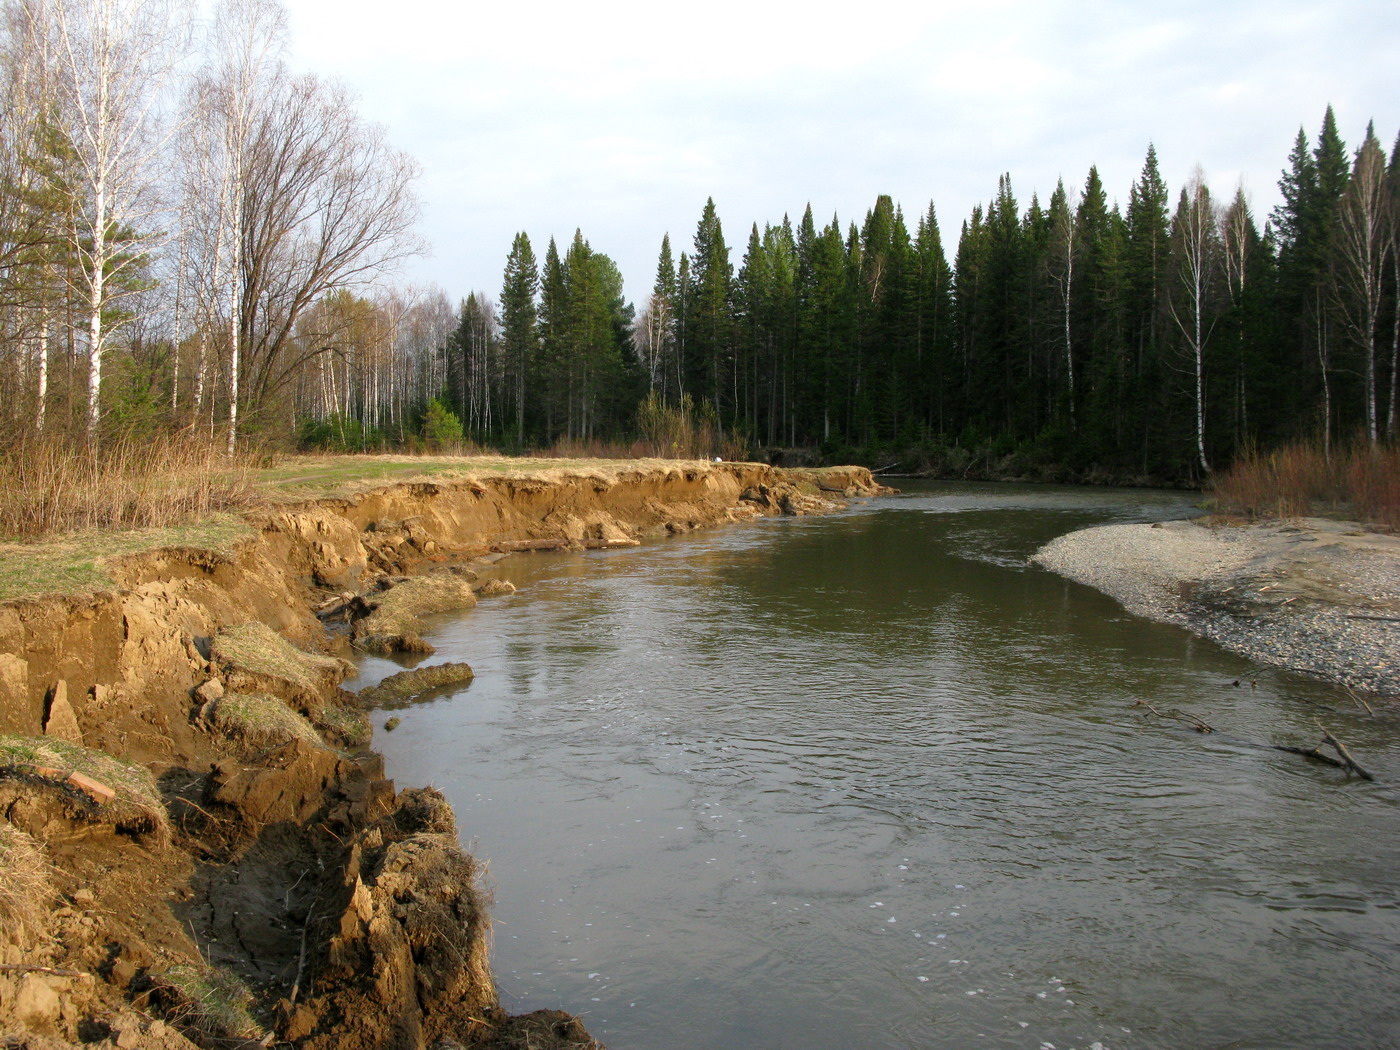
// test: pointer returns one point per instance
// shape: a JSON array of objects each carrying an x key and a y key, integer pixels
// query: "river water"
[{"x": 871, "y": 781}]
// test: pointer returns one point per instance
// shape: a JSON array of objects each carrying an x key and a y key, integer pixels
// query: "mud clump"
[
  {"x": 257, "y": 722},
  {"x": 252, "y": 658},
  {"x": 402, "y": 940},
  {"x": 51, "y": 788},
  {"x": 392, "y": 617},
  {"x": 398, "y": 690}
]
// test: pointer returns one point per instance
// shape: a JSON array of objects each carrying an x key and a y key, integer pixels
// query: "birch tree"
[
  {"x": 1195, "y": 249},
  {"x": 1061, "y": 266},
  {"x": 1358, "y": 264},
  {"x": 248, "y": 39},
  {"x": 113, "y": 60}
]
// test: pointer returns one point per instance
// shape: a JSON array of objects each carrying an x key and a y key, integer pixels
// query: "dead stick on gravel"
[{"x": 1341, "y": 749}]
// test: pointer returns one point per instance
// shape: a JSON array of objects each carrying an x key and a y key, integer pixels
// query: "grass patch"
[
  {"x": 137, "y": 806},
  {"x": 254, "y": 658},
  {"x": 1303, "y": 480},
  {"x": 24, "y": 886},
  {"x": 212, "y": 1002},
  {"x": 257, "y": 722},
  {"x": 73, "y": 563}
]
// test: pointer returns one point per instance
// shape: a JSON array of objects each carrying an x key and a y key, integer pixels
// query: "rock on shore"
[{"x": 1311, "y": 594}]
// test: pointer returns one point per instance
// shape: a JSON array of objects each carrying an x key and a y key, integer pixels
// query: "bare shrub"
[
  {"x": 1301, "y": 479},
  {"x": 49, "y": 486}
]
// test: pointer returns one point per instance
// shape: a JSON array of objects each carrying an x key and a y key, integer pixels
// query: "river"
[{"x": 872, "y": 781}]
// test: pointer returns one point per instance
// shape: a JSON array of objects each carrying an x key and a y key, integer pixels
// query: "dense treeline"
[
  {"x": 191, "y": 237},
  {"x": 1068, "y": 336}
]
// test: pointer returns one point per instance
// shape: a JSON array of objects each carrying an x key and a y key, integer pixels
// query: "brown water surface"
[{"x": 873, "y": 781}]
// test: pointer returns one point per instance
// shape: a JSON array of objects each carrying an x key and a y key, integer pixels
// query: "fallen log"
[{"x": 510, "y": 546}]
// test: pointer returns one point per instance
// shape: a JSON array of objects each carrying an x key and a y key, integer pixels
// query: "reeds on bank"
[
  {"x": 51, "y": 486},
  {"x": 1361, "y": 482}
]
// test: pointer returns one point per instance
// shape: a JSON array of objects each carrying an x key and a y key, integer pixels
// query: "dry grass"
[
  {"x": 298, "y": 478},
  {"x": 24, "y": 886},
  {"x": 1300, "y": 480},
  {"x": 137, "y": 807},
  {"x": 212, "y": 1002},
  {"x": 254, "y": 658},
  {"x": 49, "y": 487}
]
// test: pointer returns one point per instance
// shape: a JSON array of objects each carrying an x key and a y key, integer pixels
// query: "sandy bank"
[
  {"x": 196, "y": 841},
  {"x": 1311, "y": 594}
]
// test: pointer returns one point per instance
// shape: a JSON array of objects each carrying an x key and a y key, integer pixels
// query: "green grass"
[
  {"x": 73, "y": 563},
  {"x": 214, "y": 1003},
  {"x": 256, "y": 722}
]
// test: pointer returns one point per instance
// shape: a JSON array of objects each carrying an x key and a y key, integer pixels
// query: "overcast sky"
[{"x": 620, "y": 118}]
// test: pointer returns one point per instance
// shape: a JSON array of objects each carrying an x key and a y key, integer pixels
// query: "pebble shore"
[{"x": 1311, "y": 594}]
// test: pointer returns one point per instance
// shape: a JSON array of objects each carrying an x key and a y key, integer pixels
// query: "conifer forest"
[{"x": 194, "y": 237}]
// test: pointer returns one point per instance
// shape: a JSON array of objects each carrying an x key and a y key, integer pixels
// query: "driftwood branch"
[
  {"x": 1341, "y": 749},
  {"x": 1337, "y": 681},
  {"x": 1179, "y": 715},
  {"x": 1343, "y": 761}
]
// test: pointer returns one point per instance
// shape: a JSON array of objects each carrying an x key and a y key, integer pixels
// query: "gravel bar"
[{"x": 1312, "y": 594}]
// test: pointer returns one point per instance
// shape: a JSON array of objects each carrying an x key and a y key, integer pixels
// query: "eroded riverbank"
[{"x": 226, "y": 841}]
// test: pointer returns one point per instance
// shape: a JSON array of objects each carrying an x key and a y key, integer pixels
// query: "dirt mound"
[
  {"x": 53, "y": 789},
  {"x": 392, "y": 617}
]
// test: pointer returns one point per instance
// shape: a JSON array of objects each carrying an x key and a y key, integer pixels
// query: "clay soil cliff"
[{"x": 198, "y": 846}]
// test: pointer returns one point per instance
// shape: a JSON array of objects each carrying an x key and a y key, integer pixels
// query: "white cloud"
[{"x": 621, "y": 118}]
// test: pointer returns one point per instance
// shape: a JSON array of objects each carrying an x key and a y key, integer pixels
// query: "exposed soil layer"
[
  {"x": 1312, "y": 594},
  {"x": 244, "y": 874}
]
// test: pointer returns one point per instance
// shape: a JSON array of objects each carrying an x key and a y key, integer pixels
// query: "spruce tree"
[
  {"x": 710, "y": 338},
  {"x": 519, "y": 324},
  {"x": 932, "y": 325}
]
